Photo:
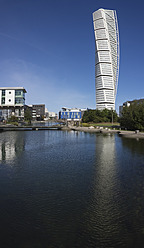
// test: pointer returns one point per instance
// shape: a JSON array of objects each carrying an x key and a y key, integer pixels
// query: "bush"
[{"x": 13, "y": 118}]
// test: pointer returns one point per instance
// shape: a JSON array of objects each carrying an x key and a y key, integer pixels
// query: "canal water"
[{"x": 62, "y": 189}]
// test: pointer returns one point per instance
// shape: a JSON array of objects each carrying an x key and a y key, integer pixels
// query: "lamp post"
[{"x": 112, "y": 116}]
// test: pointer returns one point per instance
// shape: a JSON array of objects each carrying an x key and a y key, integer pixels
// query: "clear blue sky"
[{"x": 48, "y": 47}]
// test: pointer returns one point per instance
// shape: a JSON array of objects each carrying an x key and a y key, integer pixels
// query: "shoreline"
[{"x": 123, "y": 133}]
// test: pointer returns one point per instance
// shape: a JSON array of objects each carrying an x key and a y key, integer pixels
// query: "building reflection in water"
[
  {"x": 104, "y": 206},
  {"x": 11, "y": 145}
]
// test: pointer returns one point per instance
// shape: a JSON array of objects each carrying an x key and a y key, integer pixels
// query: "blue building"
[{"x": 70, "y": 114}]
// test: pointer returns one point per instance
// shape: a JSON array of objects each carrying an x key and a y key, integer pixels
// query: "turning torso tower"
[{"x": 106, "y": 57}]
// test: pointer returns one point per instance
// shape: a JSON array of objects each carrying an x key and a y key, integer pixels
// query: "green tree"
[
  {"x": 28, "y": 116},
  {"x": 97, "y": 116},
  {"x": 133, "y": 116}
]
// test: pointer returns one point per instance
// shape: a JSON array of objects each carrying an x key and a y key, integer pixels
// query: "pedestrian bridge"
[{"x": 29, "y": 128}]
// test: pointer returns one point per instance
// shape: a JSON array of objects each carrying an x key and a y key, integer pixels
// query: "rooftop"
[{"x": 13, "y": 88}]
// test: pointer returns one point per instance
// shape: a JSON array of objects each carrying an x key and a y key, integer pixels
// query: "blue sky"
[{"x": 48, "y": 47}]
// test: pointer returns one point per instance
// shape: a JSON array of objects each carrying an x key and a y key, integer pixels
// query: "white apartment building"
[
  {"x": 106, "y": 57},
  {"x": 12, "y": 101}
]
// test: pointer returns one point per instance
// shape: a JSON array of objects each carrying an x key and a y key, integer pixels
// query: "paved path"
[{"x": 126, "y": 134}]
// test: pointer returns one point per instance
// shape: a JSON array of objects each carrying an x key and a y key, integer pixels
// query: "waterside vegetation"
[
  {"x": 13, "y": 120},
  {"x": 100, "y": 116},
  {"x": 132, "y": 117},
  {"x": 28, "y": 116}
]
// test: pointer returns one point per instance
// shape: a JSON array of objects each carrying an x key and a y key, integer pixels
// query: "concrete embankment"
[
  {"x": 132, "y": 134},
  {"x": 126, "y": 134},
  {"x": 85, "y": 129},
  {"x": 93, "y": 130}
]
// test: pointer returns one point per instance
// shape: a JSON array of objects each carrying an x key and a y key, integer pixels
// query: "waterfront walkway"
[{"x": 124, "y": 133}]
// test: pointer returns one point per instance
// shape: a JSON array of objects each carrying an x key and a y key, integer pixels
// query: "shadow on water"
[{"x": 136, "y": 146}]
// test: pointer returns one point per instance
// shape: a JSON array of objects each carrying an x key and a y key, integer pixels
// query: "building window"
[
  {"x": 9, "y": 92},
  {"x": 19, "y": 101},
  {"x": 3, "y": 92},
  {"x": 18, "y": 92},
  {"x": 9, "y": 100},
  {"x": 3, "y": 100}
]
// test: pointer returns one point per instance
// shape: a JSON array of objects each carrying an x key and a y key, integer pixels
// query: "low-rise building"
[
  {"x": 12, "y": 102},
  {"x": 53, "y": 115},
  {"x": 38, "y": 112},
  {"x": 71, "y": 114},
  {"x": 50, "y": 115}
]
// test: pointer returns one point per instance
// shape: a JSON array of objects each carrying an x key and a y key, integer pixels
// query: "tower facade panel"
[{"x": 106, "y": 57}]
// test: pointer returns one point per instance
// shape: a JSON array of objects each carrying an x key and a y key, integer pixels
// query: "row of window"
[
  {"x": 97, "y": 15},
  {"x": 102, "y": 45},
  {"x": 102, "y": 106},
  {"x": 103, "y": 69},
  {"x": 70, "y": 115},
  {"x": 17, "y": 101},
  {"x": 106, "y": 85},
  {"x": 101, "y": 34},
  {"x": 17, "y": 93}
]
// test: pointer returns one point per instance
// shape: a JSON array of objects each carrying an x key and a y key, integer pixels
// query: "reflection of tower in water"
[
  {"x": 11, "y": 144},
  {"x": 103, "y": 210}
]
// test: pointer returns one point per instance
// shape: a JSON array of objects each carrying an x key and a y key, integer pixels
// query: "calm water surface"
[{"x": 67, "y": 189}]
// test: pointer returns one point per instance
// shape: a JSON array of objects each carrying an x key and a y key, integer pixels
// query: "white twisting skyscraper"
[{"x": 106, "y": 57}]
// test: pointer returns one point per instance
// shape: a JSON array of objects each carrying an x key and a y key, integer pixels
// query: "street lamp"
[{"x": 112, "y": 116}]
